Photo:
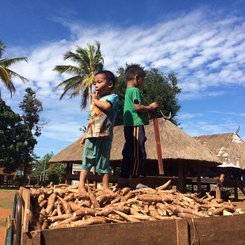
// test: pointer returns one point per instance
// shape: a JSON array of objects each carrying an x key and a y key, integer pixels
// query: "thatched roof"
[
  {"x": 229, "y": 147},
  {"x": 175, "y": 143},
  {"x": 71, "y": 154}
]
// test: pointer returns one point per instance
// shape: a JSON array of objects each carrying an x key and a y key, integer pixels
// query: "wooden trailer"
[{"x": 199, "y": 231}]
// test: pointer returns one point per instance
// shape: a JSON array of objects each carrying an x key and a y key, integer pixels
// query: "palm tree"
[
  {"x": 89, "y": 61},
  {"x": 6, "y": 74}
]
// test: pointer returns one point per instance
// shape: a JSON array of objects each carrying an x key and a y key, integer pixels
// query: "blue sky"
[{"x": 202, "y": 42}]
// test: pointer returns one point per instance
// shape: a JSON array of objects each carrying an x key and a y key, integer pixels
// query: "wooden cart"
[{"x": 209, "y": 231}]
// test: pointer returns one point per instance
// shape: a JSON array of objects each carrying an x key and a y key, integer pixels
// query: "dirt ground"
[
  {"x": 4, "y": 213},
  {"x": 2, "y": 235}
]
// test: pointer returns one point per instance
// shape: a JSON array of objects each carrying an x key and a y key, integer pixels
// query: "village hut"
[
  {"x": 182, "y": 155},
  {"x": 230, "y": 149},
  {"x": 6, "y": 178},
  {"x": 175, "y": 145}
]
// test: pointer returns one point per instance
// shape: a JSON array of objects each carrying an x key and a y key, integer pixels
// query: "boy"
[
  {"x": 98, "y": 136},
  {"x": 135, "y": 117}
]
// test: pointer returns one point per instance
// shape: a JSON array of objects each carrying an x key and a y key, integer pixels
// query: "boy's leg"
[
  {"x": 127, "y": 153},
  {"x": 103, "y": 149},
  {"x": 88, "y": 160},
  {"x": 81, "y": 187},
  {"x": 142, "y": 151},
  {"x": 105, "y": 183}
]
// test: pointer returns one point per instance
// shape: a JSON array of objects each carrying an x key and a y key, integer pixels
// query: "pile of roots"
[{"x": 60, "y": 206}]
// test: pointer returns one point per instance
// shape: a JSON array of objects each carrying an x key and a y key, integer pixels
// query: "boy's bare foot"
[
  {"x": 108, "y": 191},
  {"x": 82, "y": 191}
]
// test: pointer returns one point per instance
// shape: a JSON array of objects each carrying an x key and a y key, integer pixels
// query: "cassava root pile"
[{"x": 60, "y": 206}]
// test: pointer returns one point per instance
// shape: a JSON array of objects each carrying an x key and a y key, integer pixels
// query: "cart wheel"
[{"x": 13, "y": 233}]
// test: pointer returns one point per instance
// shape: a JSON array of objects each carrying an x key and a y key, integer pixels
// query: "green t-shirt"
[{"x": 130, "y": 116}]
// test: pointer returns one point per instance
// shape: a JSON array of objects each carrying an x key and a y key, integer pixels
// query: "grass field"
[
  {"x": 6, "y": 202},
  {"x": 6, "y": 198}
]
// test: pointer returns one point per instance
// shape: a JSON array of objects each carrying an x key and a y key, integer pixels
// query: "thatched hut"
[
  {"x": 230, "y": 149},
  {"x": 182, "y": 155},
  {"x": 176, "y": 145}
]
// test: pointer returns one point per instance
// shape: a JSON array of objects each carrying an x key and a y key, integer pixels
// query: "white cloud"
[
  {"x": 202, "y": 50},
  {"x": 185, "y": 116},
  {"x": 196, "y": 42},
  {"x": 205, "y": 128}
]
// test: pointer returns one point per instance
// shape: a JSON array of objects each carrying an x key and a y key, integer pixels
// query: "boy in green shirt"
[{"x": 135, "y": 117}]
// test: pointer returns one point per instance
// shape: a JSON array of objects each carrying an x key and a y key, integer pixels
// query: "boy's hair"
[
  {"x": 134, "y": 70},
  {"x": 109, "y": 76}
]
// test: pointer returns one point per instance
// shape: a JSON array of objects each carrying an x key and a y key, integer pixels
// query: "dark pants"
[{"x": 134, "y": 154}]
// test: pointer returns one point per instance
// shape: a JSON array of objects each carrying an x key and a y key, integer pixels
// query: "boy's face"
[{"x": 102, "y": 86}]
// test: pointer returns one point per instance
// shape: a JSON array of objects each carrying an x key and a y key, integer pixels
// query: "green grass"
[
  {"x": 7, "y": 198},
  {"x": 3, "y": 221}
]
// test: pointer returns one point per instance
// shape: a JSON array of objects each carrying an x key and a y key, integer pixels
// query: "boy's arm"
[
  {"x": 82, "y": 140},
  {"x": 102, "y": 105},
  {"x": 143, "y": 108}
]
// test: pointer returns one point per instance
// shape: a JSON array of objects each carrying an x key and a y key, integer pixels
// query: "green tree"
[
  {"x": 40, "y": 167},
  {"x": 16, "y": 140},
  {"x": 55, "y": 173},
  {"x": 89, "y": 61},
  {"x": 46, "y": 172},
  {"x": 6, "y": 74},
  {"x": 32, "y": 107},
  {"x": 157, "y": 87}
]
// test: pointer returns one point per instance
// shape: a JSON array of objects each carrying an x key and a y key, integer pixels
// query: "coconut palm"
[
  {"x": 89, "y": 60},
  {"x": 6, "y": 74}
]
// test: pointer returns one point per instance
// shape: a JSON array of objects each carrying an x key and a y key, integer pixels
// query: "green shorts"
[{"x": 96, "y": 153}]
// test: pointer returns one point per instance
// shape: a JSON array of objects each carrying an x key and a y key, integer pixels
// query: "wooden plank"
[
  {"x": 26, "y": 209},
  {"x": 158, "y": 144},
  {"x": 199, "y": 183},
  {"x": 181, "y": 178},
  {"x": 182, "y": 232},
  {"x": 31, "y": 238},
  {"x": 157, "y": 232},
  {"x": 223, "y": 230}
]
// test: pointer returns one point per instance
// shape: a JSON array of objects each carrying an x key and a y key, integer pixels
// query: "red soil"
[{"x": 4, "y": 213}]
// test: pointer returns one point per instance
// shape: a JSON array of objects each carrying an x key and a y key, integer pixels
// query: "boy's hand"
[
  {"x": 82, "y": 140},
  {"x": 153, "y": 105},
  {"x": 94, "y": 96}
]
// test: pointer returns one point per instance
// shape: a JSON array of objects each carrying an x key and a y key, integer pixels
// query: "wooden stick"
[{"x": 158, "y": 144}]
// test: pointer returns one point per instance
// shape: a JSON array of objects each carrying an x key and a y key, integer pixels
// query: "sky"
[{"x": 201, "y": 42}]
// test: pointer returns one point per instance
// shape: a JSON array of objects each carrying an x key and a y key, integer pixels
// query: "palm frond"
[
  {"x": 4, "y": 75},
  {"x": 89, "y": 60},
  {"x": 84, "y": 84},
  {"x": 71, "y": 83},
  {"x": 72, "y": 56},
  {"x": 69, "y": 80},
  {"x": 14, "y": 74},
  {"x": 85, "y": 97},
  {"x": 67, "y": 68},
  {"x": 9, "y": 62}
]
